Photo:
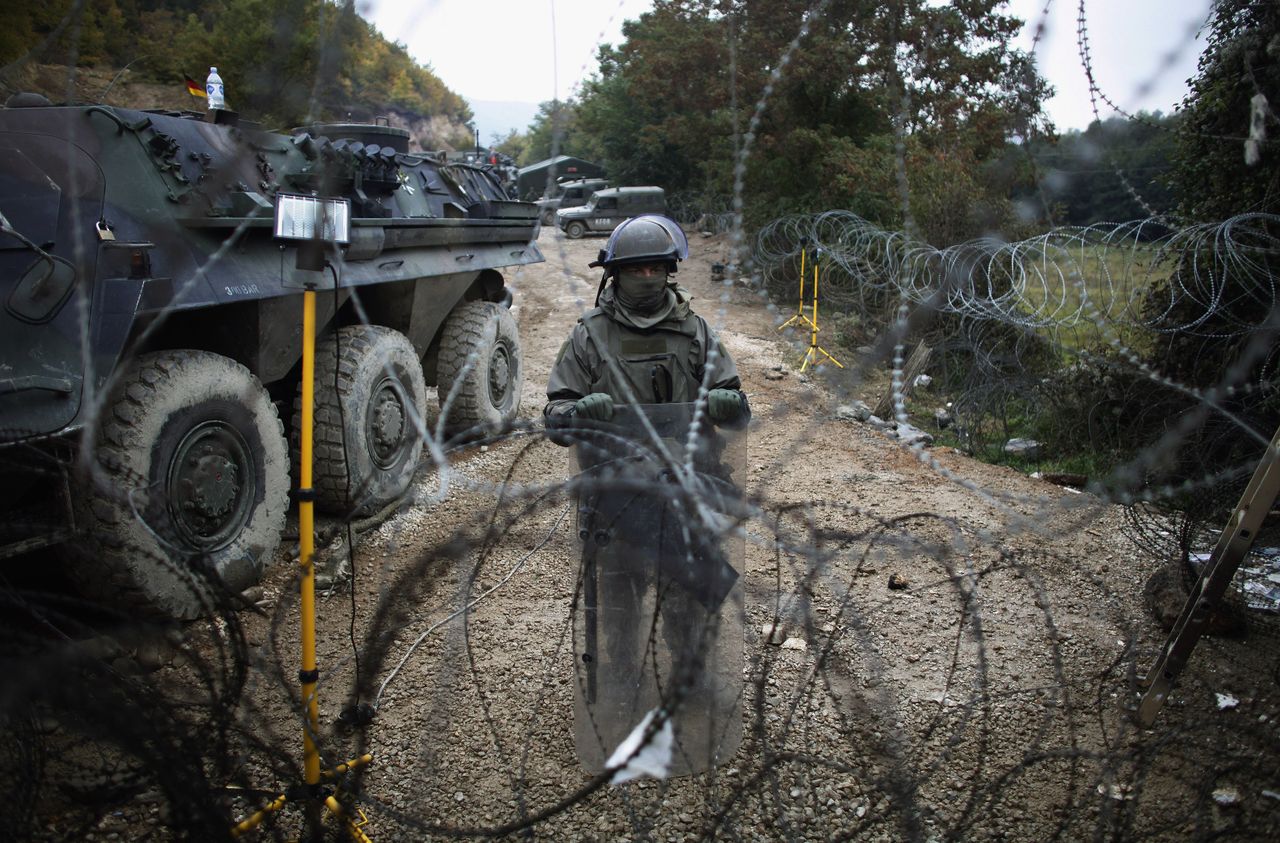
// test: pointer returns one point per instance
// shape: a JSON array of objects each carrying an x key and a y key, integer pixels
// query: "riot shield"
[{"x": 659, "y": 623}]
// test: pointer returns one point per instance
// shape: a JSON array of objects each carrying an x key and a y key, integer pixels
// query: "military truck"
[
  {"x": 150, "y": 339},
  {"x": 570, "y": 193},
  {"x": 607, "y": 208}
]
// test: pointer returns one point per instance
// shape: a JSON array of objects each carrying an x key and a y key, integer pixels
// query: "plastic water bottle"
[{"x": 213, "y": 87}]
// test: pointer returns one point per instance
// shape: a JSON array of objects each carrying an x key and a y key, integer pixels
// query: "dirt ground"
[{"x": 983, "y": 695}]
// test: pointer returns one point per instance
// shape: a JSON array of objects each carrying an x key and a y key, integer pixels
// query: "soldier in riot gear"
[
  {"x": 643, "y": 324},
  {"x": 624, "y": 389}
]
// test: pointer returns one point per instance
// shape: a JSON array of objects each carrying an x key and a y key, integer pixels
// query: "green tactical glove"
[
  {"x": 724, "y": 405},
  {"x": 597, "y": 406}
]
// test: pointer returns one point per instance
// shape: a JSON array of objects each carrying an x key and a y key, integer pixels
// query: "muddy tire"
[
  {"x": 488, "y": 395},
  {"x": 370, "y": 399},
  {"x": 548, "y": 216},
  {"x": 575, "y": 230},
  {"x": 187, "y": 489}
]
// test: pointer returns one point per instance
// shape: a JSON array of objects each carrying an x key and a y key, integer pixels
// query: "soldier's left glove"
[
  {"x": 598, "y": 406},
  {"x": 724, "y": 405}
]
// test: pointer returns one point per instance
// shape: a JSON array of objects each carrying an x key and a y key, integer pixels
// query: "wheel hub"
[
  {"x": 208, "y": 474},
  {"x": 386, "y": 424},
  {"x": 499, "y": 375},
  {"x": 211, "y": 484}
]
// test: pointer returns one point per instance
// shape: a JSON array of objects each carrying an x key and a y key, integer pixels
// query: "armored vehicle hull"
[{"x": 150, "y": 339}]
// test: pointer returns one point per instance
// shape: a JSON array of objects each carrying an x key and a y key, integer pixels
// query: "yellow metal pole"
[
  {"x": 813, "y": 341},
  {"x": 800, "y": 306},
  {"x": 309, "y": 675},
  {"x": 256, "y": 820},
  {"x": 306, "y": 543},
  {"x": 348, "y": 766},
  {"x": 353, "y": 828},
  {"x": 799, "y": 317}
]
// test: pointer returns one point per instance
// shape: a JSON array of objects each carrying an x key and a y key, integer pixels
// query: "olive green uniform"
[{"x": 659, "y": 364}]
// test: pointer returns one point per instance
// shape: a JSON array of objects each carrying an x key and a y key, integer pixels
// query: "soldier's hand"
[
  {"x": 724, "y": 405},
  {"x": 597, "y": 406}
]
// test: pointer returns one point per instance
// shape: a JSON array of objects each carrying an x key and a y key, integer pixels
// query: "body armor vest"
[{"x": 661, "y": 365}]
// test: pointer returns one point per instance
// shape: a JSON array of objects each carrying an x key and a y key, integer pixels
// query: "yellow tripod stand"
[
  {"x": 312, "y": 793},
  {"x": 799, "y": 317},
  {"x": 811, "y": 355}
]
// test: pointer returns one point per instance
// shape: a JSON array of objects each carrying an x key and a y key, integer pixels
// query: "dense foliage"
[
  {"x": 1226, "y": 163},
  {"x": 1113, "y": 171},
  {"x": 1220, "y": 171},
  {"x": 282, "y": 60},
  {"x": 554, "y": 131},
  {"x": 867, "y": 88}
]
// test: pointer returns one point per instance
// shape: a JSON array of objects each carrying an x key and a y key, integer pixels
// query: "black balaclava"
[{"x": 639, "y": 293}]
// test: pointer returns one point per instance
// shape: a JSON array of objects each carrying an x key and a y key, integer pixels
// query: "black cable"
[{"x": 346, "y": 462}]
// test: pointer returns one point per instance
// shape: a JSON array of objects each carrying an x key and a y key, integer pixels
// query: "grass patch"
[{"x": 1088, "y": 293}]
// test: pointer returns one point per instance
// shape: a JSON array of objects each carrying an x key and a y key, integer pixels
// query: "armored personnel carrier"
[{"x": 150, "y": 338}]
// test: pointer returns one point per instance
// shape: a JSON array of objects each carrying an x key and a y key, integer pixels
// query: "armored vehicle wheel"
[
  {"x": 488, "y": 396},
  {"x": 370, "y": 400},
  {"x": 189, "y": 484},
  {"x": 575, "y": 230}
]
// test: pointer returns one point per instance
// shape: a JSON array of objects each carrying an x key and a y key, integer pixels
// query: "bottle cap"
[{"x": 213, "y": 70}]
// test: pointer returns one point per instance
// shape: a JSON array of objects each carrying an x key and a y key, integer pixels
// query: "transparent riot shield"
[{"x": 659, "y": 626}]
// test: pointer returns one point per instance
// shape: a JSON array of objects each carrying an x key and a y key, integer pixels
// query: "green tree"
[
  {"x": 284, "y": 61},
  {"x": 515, "y": 143},
  {"x": 1219, "y": 172},
  {"x": 944, "y": 82},
  {"x": 1093, "y": 176},
  {"x": 555, "y": 131},
  {"x": 1214, "y": 319}
]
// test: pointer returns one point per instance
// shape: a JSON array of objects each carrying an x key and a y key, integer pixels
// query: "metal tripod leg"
[
  {"x": 1236, "y": 539},
  {"x": 811, "y": 356},
  {"x": 353, "y": 829}
]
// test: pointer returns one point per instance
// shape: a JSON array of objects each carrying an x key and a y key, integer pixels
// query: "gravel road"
[{"x": 971, "y": 637}]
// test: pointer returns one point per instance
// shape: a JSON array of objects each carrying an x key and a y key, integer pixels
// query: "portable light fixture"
[
  {"x": 318, "y": 224},
  {"x": 316, "y": 220}
]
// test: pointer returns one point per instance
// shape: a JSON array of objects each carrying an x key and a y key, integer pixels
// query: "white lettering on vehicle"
[{"x": 242, "y": 290}]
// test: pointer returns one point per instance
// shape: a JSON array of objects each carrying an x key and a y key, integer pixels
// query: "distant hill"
[{"x": 282, "y": 63}]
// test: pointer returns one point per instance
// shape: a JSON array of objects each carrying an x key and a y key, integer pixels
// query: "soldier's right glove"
[
  {"x": 597, "y": 406},
  {"x": 724, "y": 405}
]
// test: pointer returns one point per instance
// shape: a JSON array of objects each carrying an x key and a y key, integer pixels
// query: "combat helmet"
[{"x": 649, "y": 238}]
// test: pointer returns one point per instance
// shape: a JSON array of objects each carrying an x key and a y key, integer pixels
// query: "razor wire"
[
  {"x": 949, "y": 673},
  {"x": 1066, "y": 280},
  {"x": 1013, "y": 314}
]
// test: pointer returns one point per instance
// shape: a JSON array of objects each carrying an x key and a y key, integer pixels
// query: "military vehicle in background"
[
  {"x": 503, "y": 165},
  {"x": 151, "y": 335},
  {"x": 569, "y": 193},
  {"x": 607, "y": 208},
  {"x": 537, "y": 179}
]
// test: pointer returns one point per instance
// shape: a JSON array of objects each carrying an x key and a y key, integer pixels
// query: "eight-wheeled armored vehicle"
[{"x": 150, "y": 337}]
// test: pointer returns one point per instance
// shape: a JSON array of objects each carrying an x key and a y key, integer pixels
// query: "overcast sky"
[{"x": 531, "y": 51}]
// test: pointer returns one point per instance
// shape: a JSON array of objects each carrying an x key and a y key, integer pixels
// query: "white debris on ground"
[
  {"x": 1257, "y": 580},
  {"x": 1226, "y": 796},
  {"x": 653, "y": 760},
  {"x": 773, "y": 633}
]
